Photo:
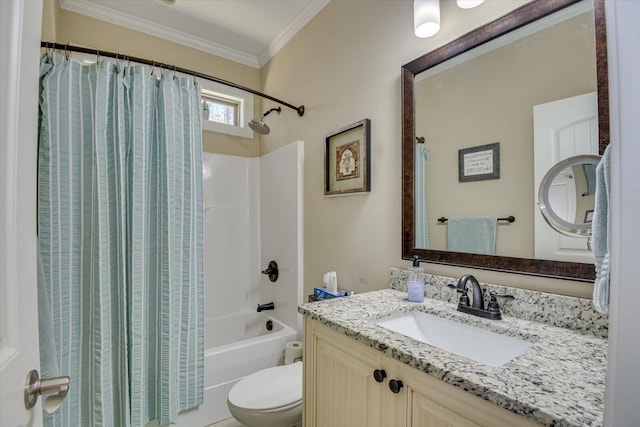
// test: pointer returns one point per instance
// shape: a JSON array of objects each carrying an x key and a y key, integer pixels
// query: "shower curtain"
[
  {"x": 120, "y": 228},
  {"x": 420, "y": 197}
]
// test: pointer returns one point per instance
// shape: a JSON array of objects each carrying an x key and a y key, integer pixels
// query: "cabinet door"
[
  {"x": 346, "y": 395},
  {"x": 434, "y": 403},
  {"x": 340, "y": 389},
  {"x": 426, "y": 413}
]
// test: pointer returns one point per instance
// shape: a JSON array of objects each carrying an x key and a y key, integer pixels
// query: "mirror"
[
  {"x": 443, "y": 148},
  {"x": 567, "y": 195}
]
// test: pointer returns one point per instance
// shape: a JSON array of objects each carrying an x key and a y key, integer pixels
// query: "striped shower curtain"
[
  {"x": 421, "y": 155},
  {"x": 120, "y": 227}
]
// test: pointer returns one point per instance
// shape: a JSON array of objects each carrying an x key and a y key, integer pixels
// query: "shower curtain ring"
[{"x": 153, "y": 66}]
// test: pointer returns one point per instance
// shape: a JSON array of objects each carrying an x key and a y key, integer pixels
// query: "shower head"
[{"x": 259, "y": 126}]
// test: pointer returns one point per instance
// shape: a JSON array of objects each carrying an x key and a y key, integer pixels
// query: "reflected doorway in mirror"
[{"x": 565, "y": 128}]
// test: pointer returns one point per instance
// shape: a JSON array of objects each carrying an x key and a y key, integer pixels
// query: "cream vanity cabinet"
[{"x": 347, "y": 384}]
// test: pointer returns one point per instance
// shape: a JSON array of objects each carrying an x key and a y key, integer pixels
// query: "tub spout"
[{"x": 267, "y": 306}]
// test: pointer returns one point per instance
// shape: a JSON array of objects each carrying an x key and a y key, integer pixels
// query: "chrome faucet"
[{"x": 477, "y": 307}]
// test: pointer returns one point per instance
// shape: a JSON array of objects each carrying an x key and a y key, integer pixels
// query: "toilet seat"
[{"x": 271, "y": 389}]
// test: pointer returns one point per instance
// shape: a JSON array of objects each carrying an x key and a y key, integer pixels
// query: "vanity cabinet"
[
  {"x": 347, "y": 384},
  {"x": 340, "y": 384}
]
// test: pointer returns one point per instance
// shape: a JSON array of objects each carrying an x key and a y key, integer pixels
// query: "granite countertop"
[{"x": 559, "y": 381}]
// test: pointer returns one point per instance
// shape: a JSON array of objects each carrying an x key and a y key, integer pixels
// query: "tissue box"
[{"x": 322, "y": 294}]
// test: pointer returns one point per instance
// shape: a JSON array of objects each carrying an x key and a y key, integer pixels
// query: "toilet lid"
[{"x": 269, "y": 388}]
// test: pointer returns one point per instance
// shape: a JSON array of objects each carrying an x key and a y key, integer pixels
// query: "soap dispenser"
[{"x": 415, "y": 288}]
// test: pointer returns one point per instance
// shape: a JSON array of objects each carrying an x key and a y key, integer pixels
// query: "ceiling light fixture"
[
  {"x": 426, "y": 17},
  {"x": 468, "y": 4}
]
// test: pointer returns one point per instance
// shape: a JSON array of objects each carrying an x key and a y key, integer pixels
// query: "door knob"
[{"x": 57, "y": 388}]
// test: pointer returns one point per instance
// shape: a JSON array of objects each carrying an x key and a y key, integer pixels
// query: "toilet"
[{"x": 271, "y": 397}]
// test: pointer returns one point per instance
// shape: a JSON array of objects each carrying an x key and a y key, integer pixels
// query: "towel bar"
[{"x": 510, "y": 218}]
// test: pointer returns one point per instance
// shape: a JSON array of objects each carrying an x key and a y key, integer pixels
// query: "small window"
[
  {"x": 220, "y": 110},
  {"x": 225, "y": 109}
]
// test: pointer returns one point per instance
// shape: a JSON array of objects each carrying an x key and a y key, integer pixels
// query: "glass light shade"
[
  {"x": 468, "y": 4},
  {"x": 426, "y": 17}
]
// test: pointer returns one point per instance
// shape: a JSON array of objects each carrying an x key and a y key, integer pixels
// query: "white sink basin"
[{"x": 488, "y": 348}]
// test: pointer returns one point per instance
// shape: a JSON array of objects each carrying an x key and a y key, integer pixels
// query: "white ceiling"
[{"x": 245, "y": 31}]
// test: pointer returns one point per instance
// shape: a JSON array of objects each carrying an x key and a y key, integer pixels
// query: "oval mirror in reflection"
[{"x": 567, "y": 195}]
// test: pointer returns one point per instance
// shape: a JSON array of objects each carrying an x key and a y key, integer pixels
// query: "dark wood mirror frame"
[{"x": 517, "y": 18}]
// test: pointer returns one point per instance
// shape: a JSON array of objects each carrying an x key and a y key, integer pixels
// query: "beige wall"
[
  {"x": 64, "y": 27},
  {"x": 50, "y": 10},
  {"x": 477, "y": 105},
  {"x": 345, "y": 66}
]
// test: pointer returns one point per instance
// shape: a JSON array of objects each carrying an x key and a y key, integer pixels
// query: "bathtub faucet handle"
[
  {"x": 272, "y": 271},
  {"x": 267, "y": 306}
]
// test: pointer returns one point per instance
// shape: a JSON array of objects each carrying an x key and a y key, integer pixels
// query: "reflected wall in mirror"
[{"x": 483, "y": 88}]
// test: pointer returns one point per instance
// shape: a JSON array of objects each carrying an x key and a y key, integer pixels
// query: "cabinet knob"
[
  {"x": 395, "y": 386},
  {"x": 379, "y": 375}
]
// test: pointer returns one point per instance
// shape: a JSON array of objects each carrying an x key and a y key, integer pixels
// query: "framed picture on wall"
[
  {"x": 588, "y": 216},
  {"x": 479, "y": 163},
  {"x": 347, "y": 160}
]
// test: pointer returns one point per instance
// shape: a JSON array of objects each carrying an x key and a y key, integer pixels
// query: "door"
[
  {"x": 562, "y": 129},
  {"x": 19, "y": 50}
]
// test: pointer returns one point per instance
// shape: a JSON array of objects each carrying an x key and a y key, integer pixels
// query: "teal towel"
[
  {"x": 475, "y": 235},
  {"x": 600, "y": 235}
]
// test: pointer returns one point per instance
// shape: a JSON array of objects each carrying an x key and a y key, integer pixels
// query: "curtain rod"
[{"x": 68, "y": 48}]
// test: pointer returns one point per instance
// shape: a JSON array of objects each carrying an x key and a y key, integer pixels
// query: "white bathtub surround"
[
  {"x": 281, "y": 213},
  {"x": 232, "y": 227},
  {"x": 253, "y": 214}
]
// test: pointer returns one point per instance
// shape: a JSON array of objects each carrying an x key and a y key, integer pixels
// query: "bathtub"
[{"x": 235, "y": 346}]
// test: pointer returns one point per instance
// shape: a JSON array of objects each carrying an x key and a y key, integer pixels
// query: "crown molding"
[
  {"x": 283, "y": 38},
  {"x": 102, "y": 13}
]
